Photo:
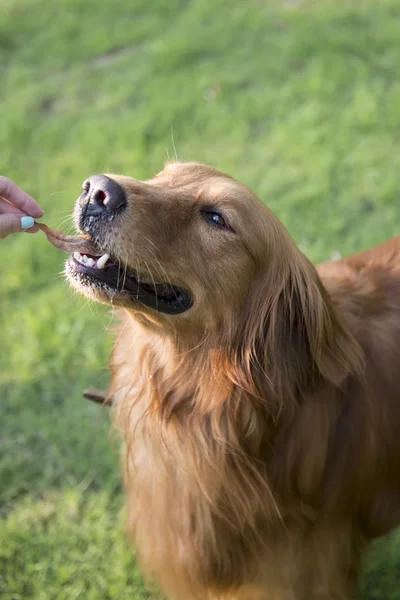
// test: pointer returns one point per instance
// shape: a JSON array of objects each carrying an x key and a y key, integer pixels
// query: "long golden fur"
[{"x": 261, "y": 427}]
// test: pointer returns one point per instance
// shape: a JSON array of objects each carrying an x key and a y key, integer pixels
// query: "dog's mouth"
[
  {"x": 96, "y": 270},
  {"x": 104, "y": 272}
]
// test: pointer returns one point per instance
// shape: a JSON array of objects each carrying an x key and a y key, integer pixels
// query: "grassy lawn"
[{"x": 300, "y": 99}]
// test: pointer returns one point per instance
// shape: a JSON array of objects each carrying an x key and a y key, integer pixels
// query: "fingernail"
[{"x": 27, "y": 222}]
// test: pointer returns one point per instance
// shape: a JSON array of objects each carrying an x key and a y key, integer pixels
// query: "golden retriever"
[{"x": 258, "y": 396}]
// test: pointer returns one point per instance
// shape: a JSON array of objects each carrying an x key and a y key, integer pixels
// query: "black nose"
[{"x": 103, "y": 195}]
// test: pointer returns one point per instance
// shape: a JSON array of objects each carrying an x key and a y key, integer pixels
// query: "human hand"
[{"x": 17, "y": 209}]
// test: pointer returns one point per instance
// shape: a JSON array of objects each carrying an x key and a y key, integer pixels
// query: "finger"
[
  {"x": 7, "y": 207},
  {"x": 11, "y": 223},
  {"x": 19, "y": 198},
  {"x": 33, "y": 229}
]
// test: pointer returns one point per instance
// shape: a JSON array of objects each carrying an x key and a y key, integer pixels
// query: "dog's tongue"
[{"x": 69, "y": 243}]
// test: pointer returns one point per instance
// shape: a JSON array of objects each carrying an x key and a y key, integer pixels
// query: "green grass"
[{"x": 300, "y": 99}]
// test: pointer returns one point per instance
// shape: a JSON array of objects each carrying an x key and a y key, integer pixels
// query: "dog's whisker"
[
  {"x": 154, "y": 283},
  {"x": 59, "y": 192},
  {"x": 68, "y": 229},
  {"x": 173, "y": 143},
  {"x": 63, "y": 213},
  {"x": 84, "y": 305},
  {"x": 119, "y": 274},
  {"x": 168, "y": 280},
  {"x": 125, "y": 272},
  {"x": 137, "y": 271}
]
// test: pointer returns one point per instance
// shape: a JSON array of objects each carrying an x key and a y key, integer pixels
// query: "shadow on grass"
[{"x": 52, "y": 438}]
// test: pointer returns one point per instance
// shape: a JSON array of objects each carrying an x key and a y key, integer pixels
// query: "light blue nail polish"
[{"x": 27, "y": 222}]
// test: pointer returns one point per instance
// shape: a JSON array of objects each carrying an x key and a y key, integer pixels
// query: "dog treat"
[{"x": 69, "y": 243}]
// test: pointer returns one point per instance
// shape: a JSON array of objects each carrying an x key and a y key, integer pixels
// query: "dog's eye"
[{"x": 214, "y": 218}]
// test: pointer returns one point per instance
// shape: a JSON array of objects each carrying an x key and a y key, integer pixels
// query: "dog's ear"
[{"x": 291, "y": 336}]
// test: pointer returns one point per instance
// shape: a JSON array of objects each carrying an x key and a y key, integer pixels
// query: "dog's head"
[
  {"x": 193, "y": 252},
  {"x": 180, "y": 249}
]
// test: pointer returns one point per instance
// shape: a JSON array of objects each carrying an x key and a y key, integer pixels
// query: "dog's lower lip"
[{"x": 159, "y": 296}]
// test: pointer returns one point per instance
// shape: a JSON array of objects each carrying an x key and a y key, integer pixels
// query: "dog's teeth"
[
  {"x": 101, "y": 262},
  {"x": 78, "y": 257}
]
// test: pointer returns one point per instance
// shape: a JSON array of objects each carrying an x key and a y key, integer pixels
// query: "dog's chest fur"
[{"x": 197, "y": 513}]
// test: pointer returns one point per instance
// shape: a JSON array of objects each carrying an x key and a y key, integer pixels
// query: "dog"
[{"x": 258, "y": 396}]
